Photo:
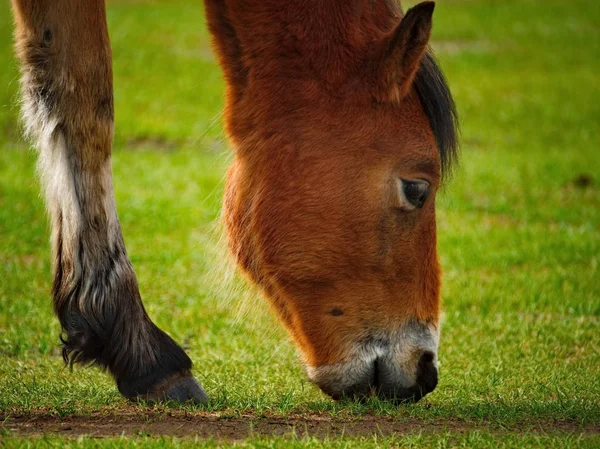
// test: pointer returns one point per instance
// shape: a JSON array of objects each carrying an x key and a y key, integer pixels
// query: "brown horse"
[{"x": 342, "y": 125}]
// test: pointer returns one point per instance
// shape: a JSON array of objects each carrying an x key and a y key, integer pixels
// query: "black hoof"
[
  {"x": 186, "y": 389},
  {"x": 181, "y": 387}
]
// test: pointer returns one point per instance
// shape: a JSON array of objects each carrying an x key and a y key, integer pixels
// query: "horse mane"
[{"x": 438, "y": 104}]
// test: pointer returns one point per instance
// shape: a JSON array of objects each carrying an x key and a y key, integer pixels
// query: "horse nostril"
[
  {"x": 427, "y": 373},
  {"x": 427, "y": 357}
]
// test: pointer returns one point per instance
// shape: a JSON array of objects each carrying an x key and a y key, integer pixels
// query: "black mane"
[{"x": 436, "y": 99}]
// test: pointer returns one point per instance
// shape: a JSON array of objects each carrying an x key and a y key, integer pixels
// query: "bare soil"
[{"x": 135, "y": 422}]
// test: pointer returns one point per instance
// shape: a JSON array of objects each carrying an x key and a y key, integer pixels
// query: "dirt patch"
[
  {"x": 583, "y": 181},
  {"x": 212, "y": 425}
]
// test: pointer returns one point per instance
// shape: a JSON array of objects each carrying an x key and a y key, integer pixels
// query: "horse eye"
[{"x": 416, "y": 192}]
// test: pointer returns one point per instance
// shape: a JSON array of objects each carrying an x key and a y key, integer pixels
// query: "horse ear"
[
  {"x": 227, "y": 47},
  {"x": 403, "y": 51}
]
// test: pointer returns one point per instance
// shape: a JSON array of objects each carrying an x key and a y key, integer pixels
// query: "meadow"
[{"x": 519, "y": 238}]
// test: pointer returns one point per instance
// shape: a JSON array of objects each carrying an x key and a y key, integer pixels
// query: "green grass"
[
  {"x": 470, "y": 440},
  {"x": 519, "y": 239}
]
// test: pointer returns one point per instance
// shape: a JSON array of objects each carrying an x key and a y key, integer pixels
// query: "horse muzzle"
[{"x": 400, "y": 366}]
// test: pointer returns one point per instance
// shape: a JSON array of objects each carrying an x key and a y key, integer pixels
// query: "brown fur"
[{"x": 322, "y": 117}]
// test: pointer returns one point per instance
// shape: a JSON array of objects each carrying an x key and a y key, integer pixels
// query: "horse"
[{"x": 343, "y": 129}]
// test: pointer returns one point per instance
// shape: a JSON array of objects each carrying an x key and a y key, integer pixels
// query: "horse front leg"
[{"x": 66, "y": 66}]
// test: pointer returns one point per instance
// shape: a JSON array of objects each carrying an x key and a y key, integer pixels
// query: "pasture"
[{"x": 519, "y": 238}]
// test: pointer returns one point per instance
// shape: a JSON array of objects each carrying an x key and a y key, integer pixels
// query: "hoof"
[
  {"x": 182, "y": 388},
  {"x": 186, "y": 389}
]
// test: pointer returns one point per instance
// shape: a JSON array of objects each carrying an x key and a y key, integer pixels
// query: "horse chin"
[{"x": 400, "y": 366}]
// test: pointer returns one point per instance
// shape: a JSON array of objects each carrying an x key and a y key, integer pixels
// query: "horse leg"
[{"x": 66, "y": 67}]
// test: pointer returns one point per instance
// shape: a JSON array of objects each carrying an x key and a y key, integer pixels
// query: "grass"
[
  {"x": 471, "y": 440},
  {"x": 519, "y": 233}
]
